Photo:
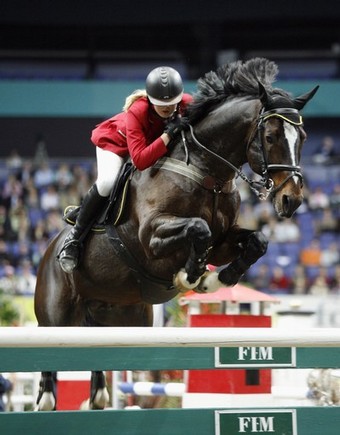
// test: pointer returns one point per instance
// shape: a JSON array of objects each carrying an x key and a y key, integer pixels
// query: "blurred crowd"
[
  {"x": 303, "y": 255},
  {"x": 33, "y": 195}
]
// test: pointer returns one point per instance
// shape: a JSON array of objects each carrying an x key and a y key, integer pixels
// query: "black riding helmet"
[{"x": 164, "y": 86}]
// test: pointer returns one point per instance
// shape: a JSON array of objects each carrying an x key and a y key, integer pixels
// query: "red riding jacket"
[{"x": 136, "y": 132}]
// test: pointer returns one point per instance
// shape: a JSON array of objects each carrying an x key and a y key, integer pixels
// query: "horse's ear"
[
  {"x": 263, "y": 95},
  {"x": 300, "y": 102}
]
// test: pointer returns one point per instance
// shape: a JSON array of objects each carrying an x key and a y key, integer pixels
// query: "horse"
[{"x": 181, "y": 214}]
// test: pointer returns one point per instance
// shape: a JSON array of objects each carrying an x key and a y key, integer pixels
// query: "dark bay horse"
[{"x": 182, "y": 213}]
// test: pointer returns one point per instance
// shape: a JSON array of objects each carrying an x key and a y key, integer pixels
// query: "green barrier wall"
[{"x": 103, "y": 98}]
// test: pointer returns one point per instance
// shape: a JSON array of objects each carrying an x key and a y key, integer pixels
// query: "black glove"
[{"x": 174, "y": 127}]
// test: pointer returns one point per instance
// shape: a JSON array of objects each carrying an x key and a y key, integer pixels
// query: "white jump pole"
[{"x": 167, "y": 337}]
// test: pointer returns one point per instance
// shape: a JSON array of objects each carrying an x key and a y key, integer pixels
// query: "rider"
[{"x": 151, "y": 118}]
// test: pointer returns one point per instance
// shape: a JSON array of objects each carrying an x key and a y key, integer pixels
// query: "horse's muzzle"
[{"x": 288, "y": 205}]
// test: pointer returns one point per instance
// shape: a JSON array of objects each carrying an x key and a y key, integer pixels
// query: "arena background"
[{"x": 66, "y": 65}]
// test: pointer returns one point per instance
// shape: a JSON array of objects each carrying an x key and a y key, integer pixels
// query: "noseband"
[{"x": 266, "y": 183}]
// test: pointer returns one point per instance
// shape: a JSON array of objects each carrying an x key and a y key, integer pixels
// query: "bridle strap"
[
  {"x": 290, "y": 115},
  {"x": 254, "y": 186},
  {"x": 279, "y": 167}
]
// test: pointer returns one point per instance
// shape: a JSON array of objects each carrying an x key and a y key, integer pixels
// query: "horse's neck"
[{"x": 227, "y": 132}]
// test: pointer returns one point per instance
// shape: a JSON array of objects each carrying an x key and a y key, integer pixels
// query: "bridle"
[
  {"x": 293, "y": 117},
  {"x": 265, "y": 186}
]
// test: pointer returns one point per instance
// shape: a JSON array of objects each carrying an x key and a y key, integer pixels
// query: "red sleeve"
[
  {"x": 186, "y": 99},
  {"x": 143, "y": 154}
]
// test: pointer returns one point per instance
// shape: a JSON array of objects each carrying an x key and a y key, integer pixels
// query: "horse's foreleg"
[
  {"x": 251, "y": 245},
  {"x": 254, "y": 247},
  {"x": 199, "y": 234},
  {"x": 47, "y": 399},
  {"x": 181, "y": 234}
]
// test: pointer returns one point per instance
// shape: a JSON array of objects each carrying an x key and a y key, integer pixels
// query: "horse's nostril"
[{"x": 290, "y": 204}]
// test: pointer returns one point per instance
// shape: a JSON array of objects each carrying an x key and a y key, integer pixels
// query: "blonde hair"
[{"x": 136, "y": 95}]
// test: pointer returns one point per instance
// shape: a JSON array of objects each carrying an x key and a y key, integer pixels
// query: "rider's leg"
[{"x": 108, "y": 166}]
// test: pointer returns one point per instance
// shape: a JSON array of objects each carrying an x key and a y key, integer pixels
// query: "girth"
[{"x": 153, "y": 290}]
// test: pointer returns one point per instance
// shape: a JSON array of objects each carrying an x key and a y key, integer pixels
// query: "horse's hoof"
[
  {"x": 100, "y": 400},
  {"x": 85, "y": 405},
  {"x": 47, "y": 402},
  {"x": 209, "y": 283},
  {"x": 182, "y": 284}
]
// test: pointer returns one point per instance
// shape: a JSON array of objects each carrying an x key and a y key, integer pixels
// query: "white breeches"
[{"x": 108, "y": 167}]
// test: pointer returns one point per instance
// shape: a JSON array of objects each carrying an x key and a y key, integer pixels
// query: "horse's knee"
[
  {"x": 257, "y": 245},
  {"x": 200, "y": 234},
  {"x": 255, "y": 248}
]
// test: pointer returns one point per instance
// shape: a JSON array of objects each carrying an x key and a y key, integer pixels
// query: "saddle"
[{"x": 113, "y": 211}]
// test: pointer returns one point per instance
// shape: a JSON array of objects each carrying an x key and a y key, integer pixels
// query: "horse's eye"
[{"x": 269, "y": 139}]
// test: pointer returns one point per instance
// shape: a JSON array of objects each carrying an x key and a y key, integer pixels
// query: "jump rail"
[
  {"x": 166, "y": 337},
  {"x": 65, "y": 348}
]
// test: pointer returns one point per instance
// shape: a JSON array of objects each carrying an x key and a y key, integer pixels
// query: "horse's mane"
[{"x": 231, "y": 80}]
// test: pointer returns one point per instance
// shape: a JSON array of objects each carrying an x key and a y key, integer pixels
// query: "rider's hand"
[{"x": 174, "y": 127}]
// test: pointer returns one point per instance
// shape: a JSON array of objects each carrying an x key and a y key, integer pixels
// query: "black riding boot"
[{"x": 91, "y": 207}]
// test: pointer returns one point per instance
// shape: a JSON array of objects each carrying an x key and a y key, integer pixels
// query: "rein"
[
  {"x": 255, "y": 186},
  {"x": 287, "y": 114}
]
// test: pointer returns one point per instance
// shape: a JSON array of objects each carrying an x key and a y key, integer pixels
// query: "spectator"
[
  {"x": 318, "y": 200},
  {"x": 310, "y": 256},
  {"x": 321, "y": 284},
  {"x": 70, "y": 196},
  {"x": 334, "y": 199},
  {"x": 26, "y": 173},
  {"x": 49, "y": 199},
  {"x": 327, "y": 222},
  {"x": 330, "y": 256},
  {"x": 5, "y": 387},
  {"x": 262, "y": 278},
  {"x": 39, "y": 231},
  {"x": 20, "y": 221},
  {"x": 31, "y": 195},
  {"x": 22, "y": 252},
  {"x": 6, "y": 230},
  {"x": 63, "y": 177},
  {"x": 300, "y": 282},
  {"x": 14, "y": 162},
  {"x": 9, "y": 282},
  {"x": 5, "y": 254},
  {"x": 82, "y": 180},
  {"x": 26, "y": 278},
  {"x": 12, "y": 191},
  {"x": 43, "y": 176},
  {"x": 280, "y": 282},
  {"x": 54, "y": 223},
  {"x": 326, "y": 151},
  {"x": 282, "y": 230}
]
